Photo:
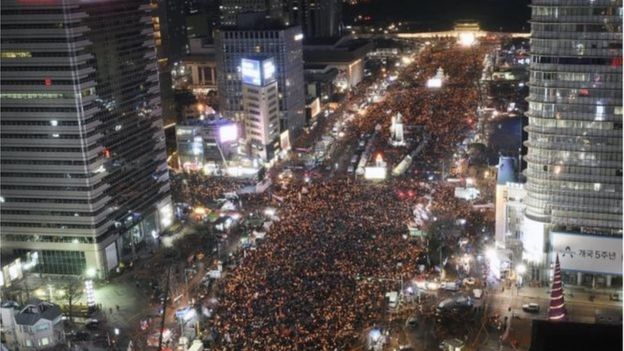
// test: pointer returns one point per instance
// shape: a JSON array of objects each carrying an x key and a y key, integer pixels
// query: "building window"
[{"x": 59, "y": 262}]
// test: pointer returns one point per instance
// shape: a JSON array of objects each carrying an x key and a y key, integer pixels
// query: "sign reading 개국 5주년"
[{"x": 588, "y": 253}]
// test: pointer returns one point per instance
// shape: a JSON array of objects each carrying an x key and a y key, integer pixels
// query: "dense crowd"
[
  {"x": 320, "y": 277},
  {"x": 446, "y": 115},
  {"x": 198, "y": 189}
]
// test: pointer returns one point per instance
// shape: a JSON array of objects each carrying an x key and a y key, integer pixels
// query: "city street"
[{"x": 330, "y": 247}]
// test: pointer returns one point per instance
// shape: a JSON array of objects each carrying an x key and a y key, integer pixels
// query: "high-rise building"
[
  {"x": 84, "y": 177},
  {"x": 260, "y": 106},
  {"x": 317, "y": 18},
  {"x": 210, "y": 141},
  {"x": 231, "y": 9},
  {"x": 281, "y": 43},
  {"x": 574, "y": 159}
]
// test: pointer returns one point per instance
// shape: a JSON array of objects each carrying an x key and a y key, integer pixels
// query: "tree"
[{"x": 74, "y": 289}]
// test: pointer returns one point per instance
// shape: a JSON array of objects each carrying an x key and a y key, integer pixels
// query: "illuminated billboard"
[
  {"x": 533, "y": 238},
  {"x": 258, "y": 71},
  {"x": 228, "y": 133},
  {"x": 268, "y": 71},
  {"x": 434, "y": 83},
  {"x": 587, "y": 253},
  {"x": 375, "y": 173},
  {"x": 251, "y": 71}
]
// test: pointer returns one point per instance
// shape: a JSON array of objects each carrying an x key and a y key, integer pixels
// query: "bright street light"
[
  {"x": 521, "y": 269},
  {"x": 90, "y": 272},
  {"x": 466, "y": 39}
]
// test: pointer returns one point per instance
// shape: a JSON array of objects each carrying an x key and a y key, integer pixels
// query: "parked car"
[{"x": 531, "y": 307}]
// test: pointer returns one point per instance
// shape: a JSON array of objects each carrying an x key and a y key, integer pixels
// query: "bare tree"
[{"x": 74, "y": 289}]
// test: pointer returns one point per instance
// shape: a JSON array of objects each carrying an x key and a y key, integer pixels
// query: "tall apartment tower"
[
  {"x": 260, "y": 106},
  {"x": 83, "y": 164},
  {"x": 317, "y": 18},
  {"x": 281, "y": 43},
  {"x": 574, "y": 158},
  {"x": 231, "y": 9}
]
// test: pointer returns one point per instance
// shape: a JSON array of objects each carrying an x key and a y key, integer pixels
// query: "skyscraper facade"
[
  {"x": 574, "y": 158},
  {"x": 281, "y": 43},
  {"x": 317, "y": 18},
  {"x": 231, "y": 9},
  {"x": 84, "y": 177},
  {"x": 260, "y": 105}
]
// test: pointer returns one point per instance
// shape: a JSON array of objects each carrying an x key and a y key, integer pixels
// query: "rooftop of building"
[
  {"x": 256, "y": 21},
  {"x": 209, "y": 121},
  {"x": 383, "y": 43},
  {"x": 36, "y": 310},
  {"x": 207, "y": 58},
  {"x": 315, "y": 66},
  {"x": 10, "y": 304},
  {"x": 344, "y": 50},
  {"x": 320, "y": 72},
  {"x": 320, "y": 41},
  {"x": 201, "y": 49}
]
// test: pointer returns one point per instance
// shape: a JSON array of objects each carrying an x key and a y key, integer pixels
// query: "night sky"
[{"x": 511, "y": 15}]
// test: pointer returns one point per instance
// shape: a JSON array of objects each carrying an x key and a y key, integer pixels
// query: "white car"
[{"x": 531, "y": 307}]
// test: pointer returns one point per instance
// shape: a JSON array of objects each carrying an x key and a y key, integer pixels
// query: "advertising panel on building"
[
  {"x": 533, "y": 238},
  {"x": 268, "y": 70},
  {"x": 588, "y": 253},
  {"x": 228, "y": 132},
  {"x": 251, "y": 71}
]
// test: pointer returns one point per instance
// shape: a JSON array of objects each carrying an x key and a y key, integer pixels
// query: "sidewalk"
[{"x": 571, "y": 295}]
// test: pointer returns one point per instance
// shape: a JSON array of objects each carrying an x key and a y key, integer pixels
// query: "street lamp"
[
  {"x": 521, "y": 268},
  {"x": 91, "y": 272}
]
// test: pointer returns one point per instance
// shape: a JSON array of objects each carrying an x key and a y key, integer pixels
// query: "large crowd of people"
[
  {"x": 198, "y": 189},
  {"x": 318, "y": 279},
  {"x": 447, "y": 115}
]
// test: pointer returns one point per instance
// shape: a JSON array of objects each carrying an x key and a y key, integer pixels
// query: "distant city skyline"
[{"x": 510, "y": 15}]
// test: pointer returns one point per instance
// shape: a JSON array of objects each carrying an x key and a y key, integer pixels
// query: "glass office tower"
[
  {"x": 574, "y": 159},
  {"x": 84, "y": 178}
]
